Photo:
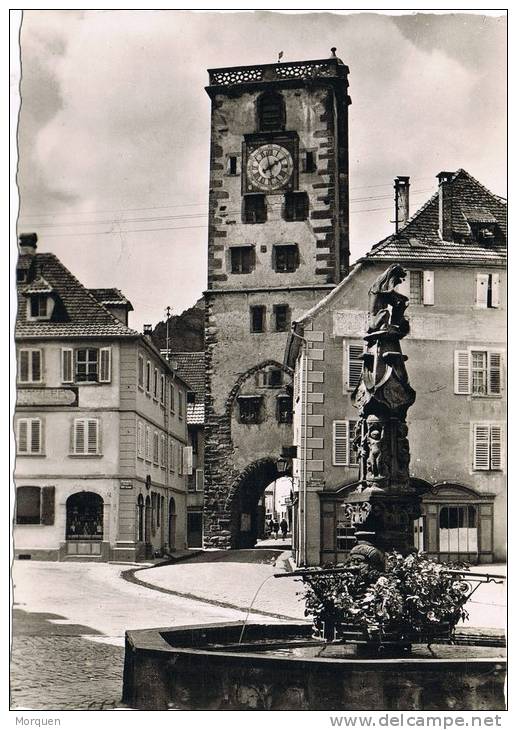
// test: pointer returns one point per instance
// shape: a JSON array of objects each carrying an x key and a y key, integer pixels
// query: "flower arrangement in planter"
[{"x": 414, "y": 599}]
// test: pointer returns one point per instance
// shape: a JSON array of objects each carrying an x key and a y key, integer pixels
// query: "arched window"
[
  {"x": 84, "y": 516},
  {"x": 271, "y": 112}
]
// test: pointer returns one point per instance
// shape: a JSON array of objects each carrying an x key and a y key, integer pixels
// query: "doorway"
[{"x": 84, "y": 523}]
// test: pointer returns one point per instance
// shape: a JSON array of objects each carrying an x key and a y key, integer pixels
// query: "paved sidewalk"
[{"x": 236, "y": 578}]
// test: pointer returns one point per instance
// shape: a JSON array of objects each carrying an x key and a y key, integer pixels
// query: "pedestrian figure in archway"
[{"x": 283, "y": 527}]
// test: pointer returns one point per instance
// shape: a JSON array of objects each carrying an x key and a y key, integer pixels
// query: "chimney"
[
  {"x": 401, "y": 201},
  {"x": 445, "y": 205},
  {"x": 27, "y": 243},
  {"x": 148, "y": 329}
]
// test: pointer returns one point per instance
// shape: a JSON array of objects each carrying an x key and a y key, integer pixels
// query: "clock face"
[{"x": 269, "y": 167}]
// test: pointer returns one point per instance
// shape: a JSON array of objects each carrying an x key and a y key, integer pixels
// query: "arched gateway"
[{"x": 243, "y": 502}]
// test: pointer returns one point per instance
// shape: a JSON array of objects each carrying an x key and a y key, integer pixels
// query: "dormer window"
[{"x": 39, "y": 306}]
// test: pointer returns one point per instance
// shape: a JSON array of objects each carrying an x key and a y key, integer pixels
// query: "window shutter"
[
  {"x": 140, "y": 371},
  {"x": 67, "y": 361},
  {"x": 428, "y": 287},
  {"x": 105, "y": 365},
  {"x": 496, "y": 447},
  {"x": 140, "y": 439},
  {"x": 171, "y": 456},
  {"x": 200, "y": 480},
  {"x": 79, "y": 436},
  {"x": 340, "y": 443},
  {"x": 187, "y": 459},
  {"x": 404, "y": 286},
  {"x": 180, "y": 461},
  {"x": 47, "y": 505},
  {"x": 495, "y": 290},
  {"x": 461, "y": 372},
  {"x": 37, "y": 366},
  {"x": 481, "y": 290},
  {"x": 481, "y": 446},
  {"x": 494, "y": 373},
  {"x": 162, "y": 388},
  {"x": 23, "y": 442},
  {"x": 93, "y": 436},
  {"x": 355, "y": 365},
  {"x": 23, "y": 376},
  {"x": 162, "y": 450},
  {"x": 35, "y": 436}
]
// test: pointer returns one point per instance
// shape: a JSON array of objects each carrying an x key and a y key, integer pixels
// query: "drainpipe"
[{"x": 302, "y": 526}]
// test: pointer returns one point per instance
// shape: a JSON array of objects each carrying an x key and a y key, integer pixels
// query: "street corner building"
[
  {"x": 278, "y": 241},
  {"x": 454, "y": 252},
  {"x": 102, "y": 455}
]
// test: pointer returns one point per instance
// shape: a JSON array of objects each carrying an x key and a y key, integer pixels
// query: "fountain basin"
[{"x": 282, "y": 667}]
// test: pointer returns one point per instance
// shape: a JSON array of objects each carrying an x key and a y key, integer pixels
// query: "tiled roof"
[
  {"x": 38, "y": 286},
  {"x": 191, "y": 367},
  {"x": 110, "y": 296},
  {"x": 76, "y": 313},
  {"x": 420, "y": 240}
]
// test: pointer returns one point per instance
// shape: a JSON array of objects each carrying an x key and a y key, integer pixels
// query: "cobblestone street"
[
  {"x": 53, "y": 667},
  {"x": 69, "y": 621}
]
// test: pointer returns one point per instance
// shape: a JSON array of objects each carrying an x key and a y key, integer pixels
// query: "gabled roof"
[
  {"x": 111, "y": 296},
  {"x": 191, "y": 367},
  {"x": 77, "y": 312},
  {"x": 419, "y": 240}
]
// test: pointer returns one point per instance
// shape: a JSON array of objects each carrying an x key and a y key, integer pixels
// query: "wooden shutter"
[
  {"x": 47, "y": 505},
  {"x": 171, "y": 456},
  {"x": 162, "y": 389},
  {"x": 93, "y": 436},
  {"x": 481, "y": 446},
  {"x": 37, "y": 366},
  {"x": 67, "y": 365},
  {"x": 187, "y": 459},
  {"x": 140, "y": 371},
  {"x": 355, "y": 365},
  {"x": 180, "y": 461},
  {"x": 148, "y": 443},
  {"x": 495, "y": 290},
  {"x": 140, "y": 439},
  {"x": 162, "y": 450},
  {"x": 428, "y": 287},
  {"x": 494, "y": 373},
  {"x": 481, "y": 290},
  {"x": 340, "y": 443},
  {"x": 79, "y": 436},
  {"x": 23, "y": 440},
  {"x": 23, "y": 375},
  {"x": 461, "y": 372},
  {"x": 200, "y": 480},
  {"x": 496, "y": 447},
  {"x": 35, "y": 443},
  {"x": 105, "y": 365}
]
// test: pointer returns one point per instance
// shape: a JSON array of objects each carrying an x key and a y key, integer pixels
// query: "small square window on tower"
[
  {"x": 258, "y": 318},
  {"x": 254, "y": 208},
  {"x": 285, "y": 257},
  {"x": 282, "y": 317},
  {"x": 241, "y": 259},
  {"x": 296, "y": 207}
]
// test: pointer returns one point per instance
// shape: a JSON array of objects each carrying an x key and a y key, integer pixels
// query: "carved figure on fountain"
[{"x": 386, "y": 304}]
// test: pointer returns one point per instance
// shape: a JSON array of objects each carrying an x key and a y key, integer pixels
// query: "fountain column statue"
[{"x": 384, "y": 503}]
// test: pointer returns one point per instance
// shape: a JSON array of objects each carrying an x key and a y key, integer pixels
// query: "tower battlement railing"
[{"x": 327, "y": 68}]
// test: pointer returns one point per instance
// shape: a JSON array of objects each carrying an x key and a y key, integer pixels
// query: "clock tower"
[{"x": 277, "y": 243}]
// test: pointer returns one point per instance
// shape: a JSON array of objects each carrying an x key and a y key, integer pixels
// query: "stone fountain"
[
  {"x": 384, "y": 504},
  {"x": 283, "y": 666}
]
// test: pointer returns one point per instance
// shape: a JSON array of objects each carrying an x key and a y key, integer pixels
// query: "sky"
[{"x": 113, "y": 131}]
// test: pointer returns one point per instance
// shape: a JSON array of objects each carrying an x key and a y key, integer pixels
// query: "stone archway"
[{"x": 243, "y": 499}]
